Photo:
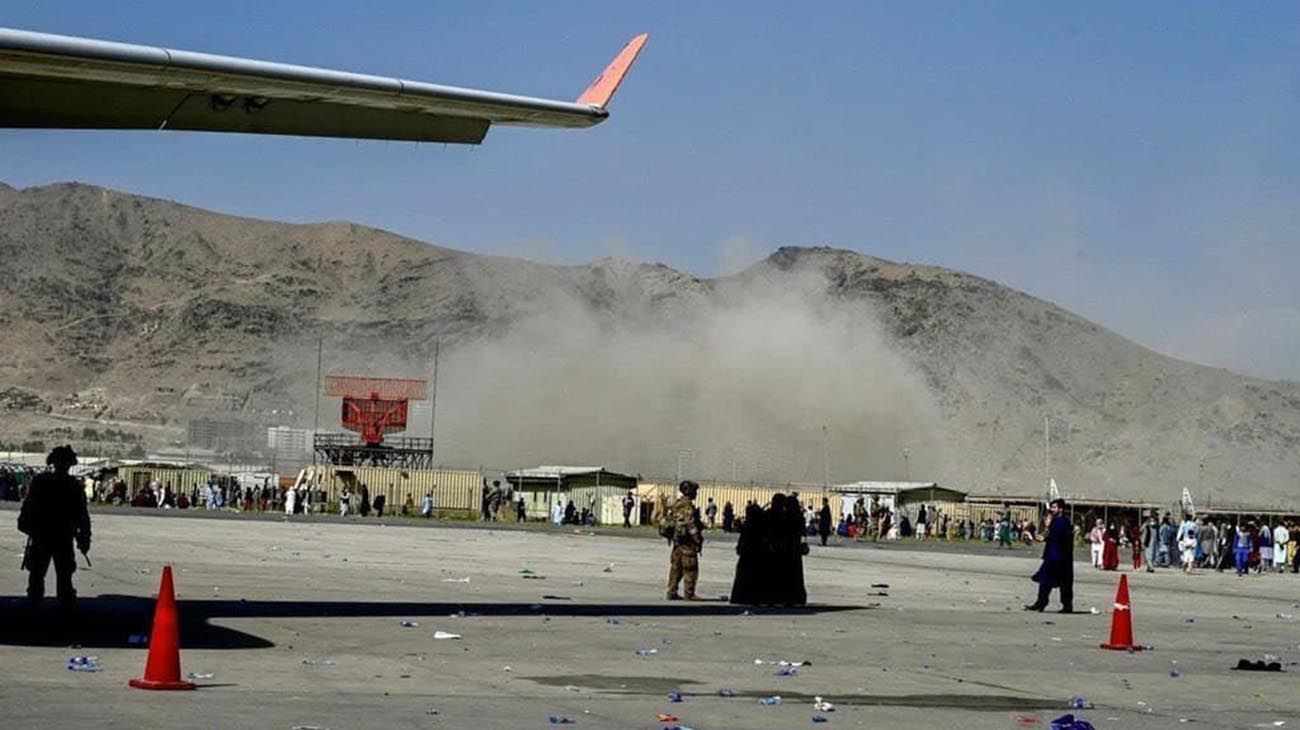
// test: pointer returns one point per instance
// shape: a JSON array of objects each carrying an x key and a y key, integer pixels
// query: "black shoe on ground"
[{"x": 1031, "y": 607}]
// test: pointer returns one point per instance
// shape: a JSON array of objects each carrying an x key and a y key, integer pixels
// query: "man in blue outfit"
[{"x": 1057, "y": 570}]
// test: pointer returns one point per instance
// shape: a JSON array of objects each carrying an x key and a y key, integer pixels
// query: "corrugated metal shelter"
[
  {"x": 593, "y": 487},
  {"x": 183, "y": 478},
  {"x": 980, "y": 507},
  {"x": 656, "y": 496},
  {"x": 901, "y": 497},
  {"x": 456, "y": 491}
]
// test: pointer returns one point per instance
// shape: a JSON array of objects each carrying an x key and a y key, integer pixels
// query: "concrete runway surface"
[{"x": 299, "y": 624}]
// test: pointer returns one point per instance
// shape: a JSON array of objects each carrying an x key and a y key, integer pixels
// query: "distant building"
[
  {"x": 899, "y": 497},
  {"x": 593, "y": 487},
  {"x": 286, "y": 439},
  {"x": 224, "y": 435},
  {"x": 291, "y": 447}
]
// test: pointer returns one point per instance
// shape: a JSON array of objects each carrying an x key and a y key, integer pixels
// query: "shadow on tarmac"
[{"x": 111, "y": 621}]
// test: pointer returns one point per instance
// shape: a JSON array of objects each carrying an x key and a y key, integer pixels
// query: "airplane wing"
[{"x": 63, "y": 82}]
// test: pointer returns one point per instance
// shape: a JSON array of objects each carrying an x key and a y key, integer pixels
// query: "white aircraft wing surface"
[{"x": 62, "y": 82}]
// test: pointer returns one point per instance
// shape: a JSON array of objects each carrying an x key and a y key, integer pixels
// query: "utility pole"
[
  {"x": 1047, "y": 451},
  {"x": 315, "y": 429},
  {"x": 826, "y": 457},
  {"x": 433, "y": 403}
]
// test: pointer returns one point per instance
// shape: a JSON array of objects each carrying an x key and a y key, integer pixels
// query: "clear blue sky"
[{"x": 1137, "y": 163}]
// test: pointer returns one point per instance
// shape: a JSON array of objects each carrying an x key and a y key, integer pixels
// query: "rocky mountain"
[{"x": 815, "y": 363}]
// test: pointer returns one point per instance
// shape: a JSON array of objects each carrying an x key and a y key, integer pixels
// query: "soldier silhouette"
[{"x": 53, "y": 517}]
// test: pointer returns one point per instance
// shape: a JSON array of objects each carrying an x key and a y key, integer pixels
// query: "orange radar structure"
[{"x": 374, "y": 408}]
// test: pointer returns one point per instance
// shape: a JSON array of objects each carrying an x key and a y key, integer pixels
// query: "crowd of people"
[
  {"x": 1266, "y": 545},
  {"x": 14, "y": 480}
]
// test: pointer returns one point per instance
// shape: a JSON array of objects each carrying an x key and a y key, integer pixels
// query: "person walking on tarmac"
[
  {"x": 1057, "y": 570},
  {"x": 53, "y": 517},
  {"x": 685, "y": 532}
]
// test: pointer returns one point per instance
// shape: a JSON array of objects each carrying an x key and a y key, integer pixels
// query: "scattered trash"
[
  {"x": 526, "y": 571},
  {"x": 612, "y": 621},
  {"x": 578, "y": 583},
  {"x": 608, "y": 568},
  {"x": 724, "y": 692},
  {"x": 646, "y": 652},
  {"x": 1094, "y": 611},
  {"x": 534, "y": 577},
  {"x": 782, "y": 663},
  {"x": 200, "y": 675},
  {"x": 819, "y": 718},
  {"x": 431, "y": 711},
  {"x": 143, "y": 571},
  {"x": 318, "y": 662},
  {"x": 1285, "y": 615},
  {"x": 1245, "y": 665},
  {"x": 549, "y": 597},
  {"x": 84, "y": 664},
  {"x": 410, "y": 624},
  {"x": 1173, "y": 670},
  {"x": 507, "y": 668},
  {"x": 1070, "y": 722},
  {"x": 445, "y": 635},
  {"x": 1026, "y": 720},
  {"x": 456, "y": 580},
  {"x": 1189, "y": 620},
  {"x": 879, "y": 585},
  {"x": 674, "y": 696},
  {"x": 822, "y": 705},
  {"x": 1079, "y": 703},
  {"x": 787, "y": 672},
  {"x": 309, "y": 727},
  {"x": 137, "y": 639},
  {"x": 560, "y": 720},
  {"x": 773, "y": 700},
  {"x": 881, "y": 593}
]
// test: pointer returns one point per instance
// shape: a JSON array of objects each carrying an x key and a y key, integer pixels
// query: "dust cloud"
[{"x": 747, "y": 378}]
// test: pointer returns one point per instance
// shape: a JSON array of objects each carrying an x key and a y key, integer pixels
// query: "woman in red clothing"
[{"x": 1110, "y": 550}]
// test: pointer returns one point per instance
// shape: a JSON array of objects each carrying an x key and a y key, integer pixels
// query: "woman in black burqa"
[
  {"x": 751, "y": 584},
  {"x": 769, "y": 571},
  {"x": 793, "y": 548}
]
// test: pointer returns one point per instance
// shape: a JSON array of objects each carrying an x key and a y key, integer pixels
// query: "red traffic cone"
[
  {"x": 1121, "y": 622},
  {"x": 162, "y": 670}
]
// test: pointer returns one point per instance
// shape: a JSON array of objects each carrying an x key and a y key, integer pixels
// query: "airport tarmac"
[{"x": 299, "y": 625}]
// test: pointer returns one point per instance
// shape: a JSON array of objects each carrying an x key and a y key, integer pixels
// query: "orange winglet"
[{"x": 603, "y": 88}]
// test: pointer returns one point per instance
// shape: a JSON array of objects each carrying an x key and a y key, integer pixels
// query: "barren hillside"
[{"x": 140, "y": 313}]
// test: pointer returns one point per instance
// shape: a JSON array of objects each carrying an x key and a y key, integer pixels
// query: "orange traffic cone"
[
  {"x": 162, "y": 670},
  {"x": 1121, "y": 622}
]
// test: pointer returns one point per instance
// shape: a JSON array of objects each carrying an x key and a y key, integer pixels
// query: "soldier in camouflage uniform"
[{"x": 686, "y": 533}]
